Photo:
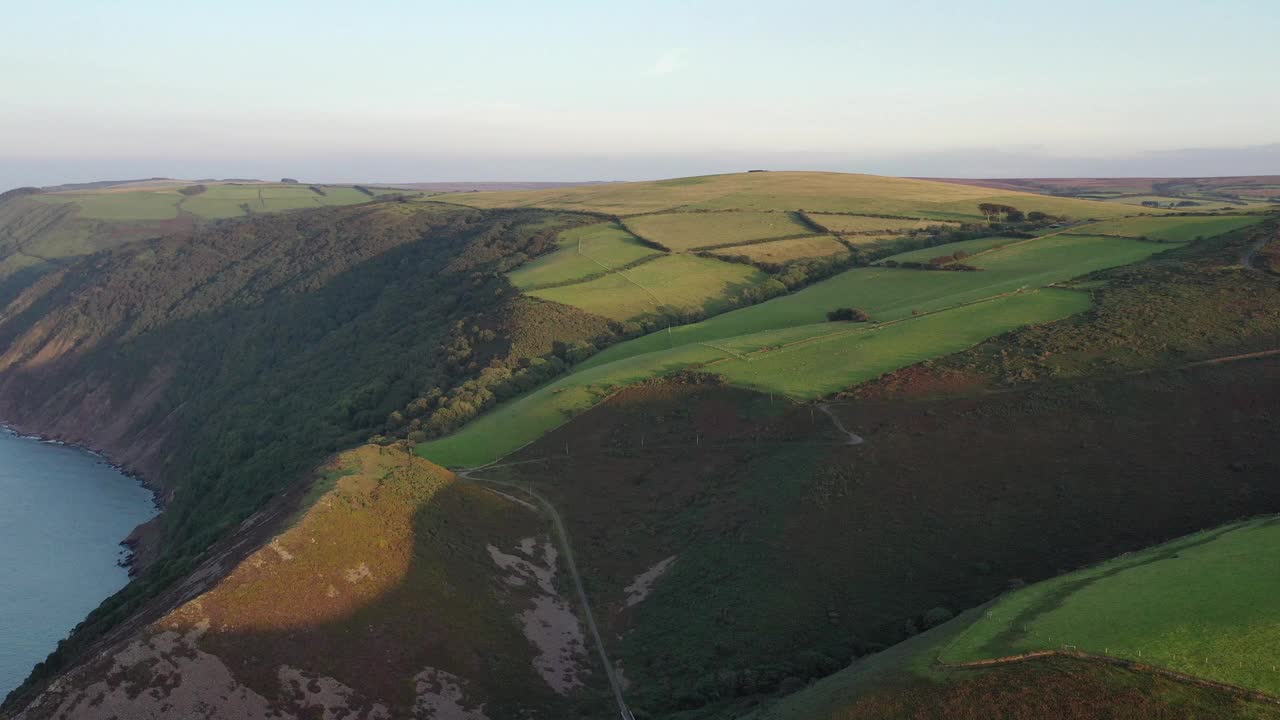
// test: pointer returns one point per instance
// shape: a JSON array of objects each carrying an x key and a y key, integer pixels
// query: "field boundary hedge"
[
  {"x": 593, "y": 276},
  {"x": 760, "y": 241}
]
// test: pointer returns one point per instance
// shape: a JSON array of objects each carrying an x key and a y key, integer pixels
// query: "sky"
[{"x": 567, "y": 90}]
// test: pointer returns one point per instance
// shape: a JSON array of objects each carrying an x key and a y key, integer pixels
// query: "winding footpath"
[{"x": 563, "y": 537}]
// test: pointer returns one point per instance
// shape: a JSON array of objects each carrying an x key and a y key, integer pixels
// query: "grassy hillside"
[
  {"x": 1201, "y": 605},
  {"x": 738, "y": 340},
  {"x": 809, "y": 191}
]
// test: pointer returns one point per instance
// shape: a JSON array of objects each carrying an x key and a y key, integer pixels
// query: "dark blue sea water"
[{"x": 63, "y": 513}]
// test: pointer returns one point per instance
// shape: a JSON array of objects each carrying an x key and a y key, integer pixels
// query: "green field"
[
  {"x": 817, "y": 192},
  {"x": 892, "y": 294},
  {"x": 120, "y": 205},
  {"x": 682, "y": 282},
  {"x": 886, "y": 293},
  {"x": 781, "y": 251},
  {"x": 688, "y": 231},
  {"x": 1204, "y": 605},
  {"x": 830, "y": 363},
  {"x": 863, "y": 224},
  {"x": 1174, "y": 229},
  {"x": 583, "y": 252}
]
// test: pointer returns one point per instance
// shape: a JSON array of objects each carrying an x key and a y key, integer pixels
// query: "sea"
[{"x": 63, "y": 513}]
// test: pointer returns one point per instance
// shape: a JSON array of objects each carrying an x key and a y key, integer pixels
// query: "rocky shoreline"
[{"x": 141, "y": 544}]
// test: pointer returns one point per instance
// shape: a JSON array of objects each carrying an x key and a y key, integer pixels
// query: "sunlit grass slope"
[
  {"x": 683, "y": 282},
  {"x": 584, "y": 252},
  {"x": 1204, "y": 605},
  {"x": 687, "y": 231}
]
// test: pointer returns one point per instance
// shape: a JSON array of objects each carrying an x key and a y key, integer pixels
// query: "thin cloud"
[{"x": 668, "y": 62}]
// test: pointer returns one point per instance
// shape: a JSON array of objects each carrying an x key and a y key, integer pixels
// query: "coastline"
[{"x": 140, "y": 544}]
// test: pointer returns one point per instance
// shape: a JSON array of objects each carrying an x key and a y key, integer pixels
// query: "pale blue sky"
[{"x": 583, "y": 90}]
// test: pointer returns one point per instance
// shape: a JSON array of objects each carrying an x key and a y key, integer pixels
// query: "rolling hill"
[{"x": 809, "y": 191}]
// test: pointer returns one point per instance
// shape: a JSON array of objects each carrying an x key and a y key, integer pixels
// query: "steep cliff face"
[{"x": 223, "y": 366}]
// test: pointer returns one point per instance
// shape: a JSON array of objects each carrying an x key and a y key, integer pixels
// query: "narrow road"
[
  {"x": 567, "y": 550},
  {"x": 853, "y": 439}
]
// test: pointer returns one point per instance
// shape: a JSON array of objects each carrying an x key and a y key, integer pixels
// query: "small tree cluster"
[
  {"x": 848, "y": 314},
  {"x": 996, "y": 211}
]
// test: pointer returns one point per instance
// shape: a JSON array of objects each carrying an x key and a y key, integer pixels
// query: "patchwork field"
[
  {"x": 863, "y": 224},
  {"x": 888, "y": 294},
  {"x": 681, "y": 282},
  {"x": 816, "y": 192},
  {"x": 781, "y": 251},
  {"x": 892, "y": 294},
  {"x": 689, "y": 231},
  {"x": 1174, "y": 229},
  {"x": 584, "y": 252},
  {"x": 1202, "y": 605}
]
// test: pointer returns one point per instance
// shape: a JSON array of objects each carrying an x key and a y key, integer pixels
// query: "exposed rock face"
[{"x": 549, "y": 622}]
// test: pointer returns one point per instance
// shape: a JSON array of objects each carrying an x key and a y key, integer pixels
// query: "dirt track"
[
  {"x": 562, "y": 535},
  {"x": 853, "y": 438}
]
